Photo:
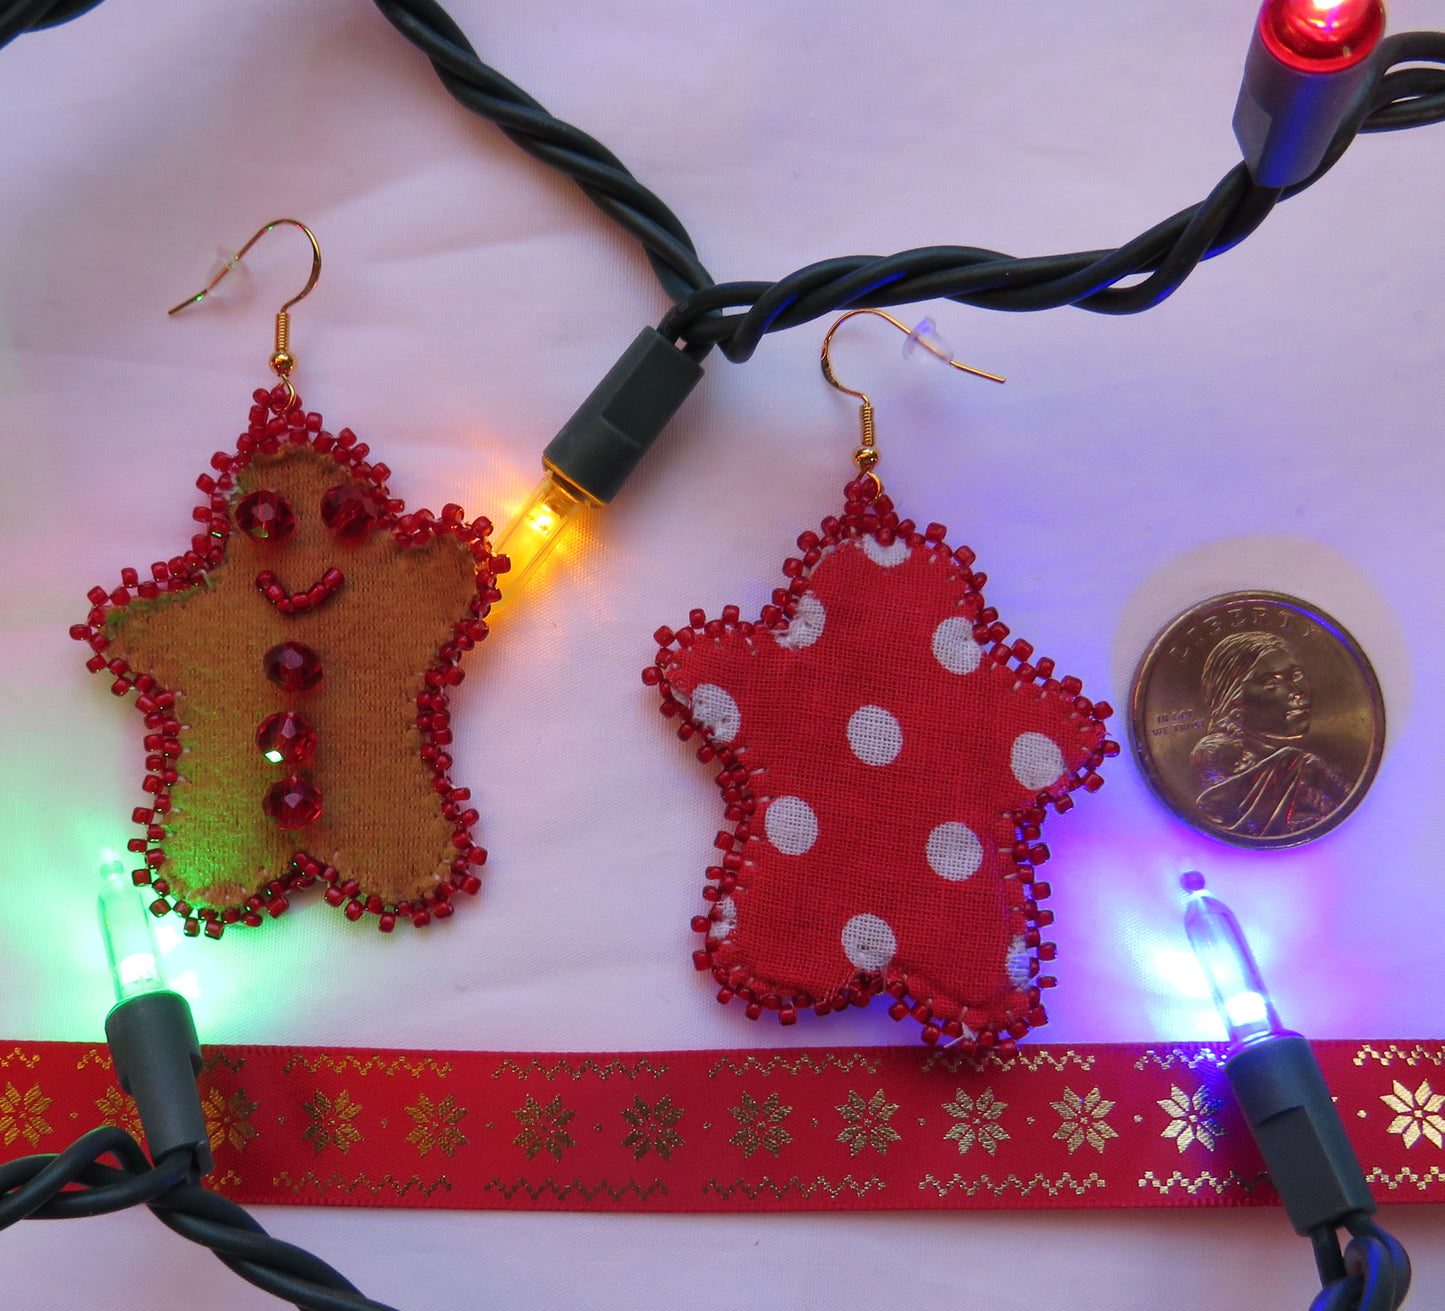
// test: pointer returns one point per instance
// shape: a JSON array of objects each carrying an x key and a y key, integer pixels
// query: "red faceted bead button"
[
  {"x": 265, "y": 516},
  {"x": 287, "y": 738},
  {"x": 294, "y": 802},
  {"x": 293, "y": 667},
  {"x": 349, "y": 512}
]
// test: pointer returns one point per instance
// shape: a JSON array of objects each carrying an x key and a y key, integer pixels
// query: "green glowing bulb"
[{"x": 125, "y": 924}]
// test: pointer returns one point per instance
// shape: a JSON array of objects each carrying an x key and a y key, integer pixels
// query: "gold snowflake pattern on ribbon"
[
  {"x": 868, "y": 1123},
  {"x": 1417, "y": 1113},
  {"x": 544, "y": 1127},
  {"x": 119, "y": 1111},
  {"x": 652, "y": 1127},
  {"x": 762, "y": 1125},
  {"x": 331, "y": 1122},
  {"x": 227, "y": 1118},
  {"x": 1191, "y": 1120},
  {"x": 22, "y": 1114},
  {"x": 1020, "y": 1131},
  {"x": 436, "y": 1125},
  {"x": 1083, "y": 1120},
  {"x": 977, "y": 1121}
]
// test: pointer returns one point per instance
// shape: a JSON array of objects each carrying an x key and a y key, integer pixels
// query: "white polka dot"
[
  {"x": 874, "y": 735},
  {"x": 954, "y": 647},
  {"x": 792, "y": 827},
  {"x": 954, "y": 851},
  {"x": 726, "y": 922},
  {"x": 1017, "y": 964},
  {"x": 869, "y": 943},
  {"x": 806, "y": 625},
  {"x": 1036, "y": 760},
  {"x": 896, "y": 552},
  {"x": 715, "y": 709}
]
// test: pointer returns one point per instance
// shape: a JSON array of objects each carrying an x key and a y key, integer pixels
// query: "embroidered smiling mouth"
[{"x": 293, "y": 603}]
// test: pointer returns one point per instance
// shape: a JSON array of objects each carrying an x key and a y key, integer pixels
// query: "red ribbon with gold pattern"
[{"x": 814, "y": 1129}]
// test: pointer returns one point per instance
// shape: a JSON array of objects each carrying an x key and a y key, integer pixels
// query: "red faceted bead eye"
[
  {"x": 293, "y": 667},
  {"x": 349, "y": 511},
  {"x": 293, "y": 803},
  {"x": 266, "y": 516},
  {"x": 287, "y": 738}
]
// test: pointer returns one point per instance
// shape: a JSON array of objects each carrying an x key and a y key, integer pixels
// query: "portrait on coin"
[{"x": 1255, "y": 777}]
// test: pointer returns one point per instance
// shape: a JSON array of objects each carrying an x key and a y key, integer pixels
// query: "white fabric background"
[{"x": 1277, "y": 424}]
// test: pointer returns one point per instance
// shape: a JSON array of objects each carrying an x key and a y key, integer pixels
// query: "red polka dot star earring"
[{"x": 886, "y": 758}]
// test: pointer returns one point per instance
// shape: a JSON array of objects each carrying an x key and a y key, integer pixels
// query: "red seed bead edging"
[
  {"x": 868, "y": 512},
  {"x": 276, "y": 420}
]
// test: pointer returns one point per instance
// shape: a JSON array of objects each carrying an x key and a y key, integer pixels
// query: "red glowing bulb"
[{"x": 1321, "y": 36}]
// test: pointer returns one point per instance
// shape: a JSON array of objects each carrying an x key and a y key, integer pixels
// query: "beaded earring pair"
[
  {"x": 289, "y": 739},
  {"x": 886, "y": 756}
]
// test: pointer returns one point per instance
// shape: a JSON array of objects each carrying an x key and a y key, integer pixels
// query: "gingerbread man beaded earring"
[
  {"x": 292, "y": 666},
  {"x": 886, "y": 757}
]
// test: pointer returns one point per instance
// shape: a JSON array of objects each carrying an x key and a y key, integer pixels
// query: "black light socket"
[
  {"x": 601, "y": 444},
  {"x": 157, "y": 1057},
  {"x": 1287, "y": 1104}
]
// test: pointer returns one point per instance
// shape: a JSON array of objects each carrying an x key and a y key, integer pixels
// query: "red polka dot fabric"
[{"x": 886, "y": 758}]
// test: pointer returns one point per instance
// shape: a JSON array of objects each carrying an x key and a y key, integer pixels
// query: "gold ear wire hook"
[
  {"x": 282, "y": 361},
  {"x": 867, "y": 454}
]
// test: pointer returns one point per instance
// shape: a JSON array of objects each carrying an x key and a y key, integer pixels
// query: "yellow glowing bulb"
[{"x": 538, "y": 526}]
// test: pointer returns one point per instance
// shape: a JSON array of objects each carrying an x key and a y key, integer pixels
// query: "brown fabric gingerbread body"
[{"x": 293, "y": 670}]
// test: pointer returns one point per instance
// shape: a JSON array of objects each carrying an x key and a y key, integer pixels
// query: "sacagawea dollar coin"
[{"x": 1257, "y": 718}]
